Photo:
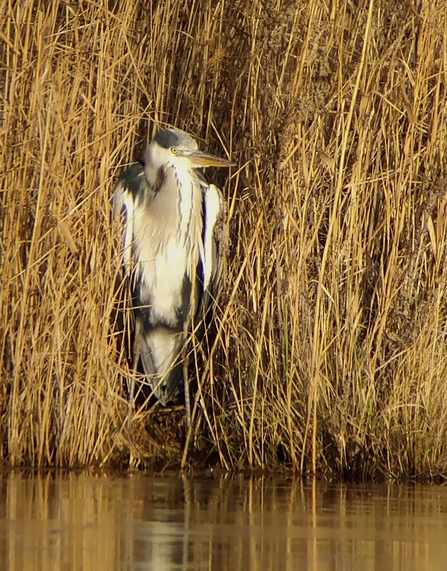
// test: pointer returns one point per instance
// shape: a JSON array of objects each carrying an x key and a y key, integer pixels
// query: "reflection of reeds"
[
  {"x": 86, "y": 521},
  {"x": 331, "y": 351}
]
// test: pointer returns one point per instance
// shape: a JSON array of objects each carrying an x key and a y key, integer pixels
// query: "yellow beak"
[{"x": 200, "y": 159}]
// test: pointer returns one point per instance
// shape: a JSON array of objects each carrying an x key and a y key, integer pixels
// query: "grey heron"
[{"x": 174, "y": 241}]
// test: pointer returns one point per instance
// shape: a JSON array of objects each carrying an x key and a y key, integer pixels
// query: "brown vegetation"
[{"x": 331, "y": 352}]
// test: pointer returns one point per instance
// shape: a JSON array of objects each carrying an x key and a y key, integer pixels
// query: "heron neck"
[{"x": 153, "y": 176}]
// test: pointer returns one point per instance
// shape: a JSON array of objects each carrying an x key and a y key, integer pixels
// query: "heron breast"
[
  {"x": 165, "y": 266},
  {"x": 167, "y": 245}
]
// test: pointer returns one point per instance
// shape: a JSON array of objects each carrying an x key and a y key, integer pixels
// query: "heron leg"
[
  {"x": 185, "y": 360},
  {"x": 136, "y": 358}
]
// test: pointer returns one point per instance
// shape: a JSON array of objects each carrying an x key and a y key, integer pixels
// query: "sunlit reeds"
[{"x": 331, "y": 350}]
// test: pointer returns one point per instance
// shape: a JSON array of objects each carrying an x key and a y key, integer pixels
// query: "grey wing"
[
  {"x": 215, "y": 239},
  {"x": 129, "y": 190}
]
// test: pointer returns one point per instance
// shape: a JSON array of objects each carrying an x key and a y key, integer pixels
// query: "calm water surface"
[{"x": 140, "y": 522}]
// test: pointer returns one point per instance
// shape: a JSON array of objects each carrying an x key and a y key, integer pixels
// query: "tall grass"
[{"x": 331, "y": 350}]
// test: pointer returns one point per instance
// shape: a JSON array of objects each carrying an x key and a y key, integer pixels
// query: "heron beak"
[{"x": 200, "y": 159}]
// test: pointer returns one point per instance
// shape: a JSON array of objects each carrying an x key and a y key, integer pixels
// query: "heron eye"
[{"x": 174, "y": 150}]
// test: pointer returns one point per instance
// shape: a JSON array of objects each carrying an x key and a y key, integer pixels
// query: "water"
[{"x": 139, "y": 522}]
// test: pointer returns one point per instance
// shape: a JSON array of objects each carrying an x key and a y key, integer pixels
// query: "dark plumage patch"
[
  {"x": 183, "y": 310},
  {"x": 132, "y": 178},
  {"x": 175, "y": 138},
  {"x": 167, "y": 138}
]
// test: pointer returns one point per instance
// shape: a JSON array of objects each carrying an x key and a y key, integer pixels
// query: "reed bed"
[{"x": 331, "y": 351}]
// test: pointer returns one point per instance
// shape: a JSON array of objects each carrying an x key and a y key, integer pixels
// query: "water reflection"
[{"x": 139, "y": 522}]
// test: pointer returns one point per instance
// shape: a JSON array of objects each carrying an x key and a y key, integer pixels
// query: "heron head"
[{"x": 174, "y": 146}]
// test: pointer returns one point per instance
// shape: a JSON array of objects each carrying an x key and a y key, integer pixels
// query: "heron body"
[{"x": 174, "y": 240}]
